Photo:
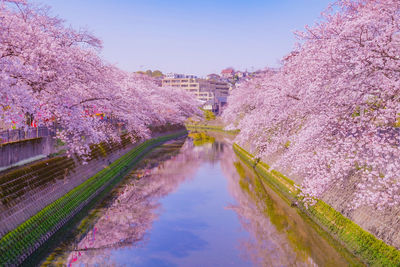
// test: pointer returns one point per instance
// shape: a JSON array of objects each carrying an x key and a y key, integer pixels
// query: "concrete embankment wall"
[
  {"x": 362, "y": 244},
  {"x": 14, "y": 152},
  {"x": 62, "y": 204},
  {"x": 384, "y": 224},
  {"x": 26, "y": 190}
]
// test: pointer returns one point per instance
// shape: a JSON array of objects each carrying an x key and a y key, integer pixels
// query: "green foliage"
[
  {"x": 356, "y": 113},
  {"x": 59, "y": 153},
  {"x": 106, "y": 148},
  {"x": 157, "y": 73},
  {"x": 287, "y": 144},
  {"x": 208, "y": 115},
  {"x": 154, "y": 74},
  {"x": 59, "y": 142},
  {"x": 397, "y": 123},
  {"x": 278, "y": 174},
  {"x": 362, "y": 243}
]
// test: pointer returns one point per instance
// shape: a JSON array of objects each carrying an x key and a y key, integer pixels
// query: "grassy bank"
[
  {"x": 18, "y": 244},
  {"x": 204, "y": 127},
  {"x": 360, "y": 243}
]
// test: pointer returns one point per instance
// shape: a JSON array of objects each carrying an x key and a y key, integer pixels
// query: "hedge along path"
[
  {"x": 362, "y": 244},
  {"x": 18, "y": 244}
]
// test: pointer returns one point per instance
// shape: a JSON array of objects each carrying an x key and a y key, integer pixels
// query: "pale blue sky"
[{"x": 192, "y": 37}]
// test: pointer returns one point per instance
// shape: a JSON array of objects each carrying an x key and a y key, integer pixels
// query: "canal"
[{"x": 192, "y": 202}]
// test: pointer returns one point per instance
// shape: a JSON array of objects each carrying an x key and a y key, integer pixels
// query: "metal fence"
[{"x": 21, "y": 134}]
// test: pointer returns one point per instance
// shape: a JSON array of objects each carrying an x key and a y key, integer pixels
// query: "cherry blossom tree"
[
  {"x": 55, "y": 73},
  {"x": 331, "y": 111}
]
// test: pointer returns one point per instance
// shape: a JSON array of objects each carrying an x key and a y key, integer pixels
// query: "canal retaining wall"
[
  {"x": 26, "y": 190},
  {"x": 22, "y": 150},
  {"x": 364, "y": 245},
  {"x": 18, "y": 244}
]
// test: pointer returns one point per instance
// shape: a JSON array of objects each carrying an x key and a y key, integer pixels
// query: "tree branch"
[{"x": 89, "y": 100}]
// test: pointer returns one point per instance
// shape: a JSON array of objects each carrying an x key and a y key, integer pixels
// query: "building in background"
[
  {"x": 179, "y": 76},
  {"x": 213, "y": 91},
  {"x": 228, "y": 73},
  {"x": 204, "y": 89},
  {"x": 213, "y": 76}
]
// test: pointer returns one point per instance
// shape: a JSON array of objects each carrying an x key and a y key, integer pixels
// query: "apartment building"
[
  {"x": 221, "y": 87},
  {"x": 204, "y": 89}
]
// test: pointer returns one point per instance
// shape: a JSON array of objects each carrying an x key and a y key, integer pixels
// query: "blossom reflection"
[
  {"x": 278, "y": 234},
  {"x": 130, "y": 216}
]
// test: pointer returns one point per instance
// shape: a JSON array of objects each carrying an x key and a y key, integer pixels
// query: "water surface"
[{"x": 193, "y": 203}]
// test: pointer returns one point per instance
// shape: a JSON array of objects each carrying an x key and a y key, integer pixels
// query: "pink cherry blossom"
[
  {"x": 330, "y": 112},
  {"x": 55, "y": 73}
]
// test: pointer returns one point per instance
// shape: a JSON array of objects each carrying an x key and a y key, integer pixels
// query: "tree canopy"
[
  {"x": 56, "y": 74},
  {"x": 331, "y": 111}
]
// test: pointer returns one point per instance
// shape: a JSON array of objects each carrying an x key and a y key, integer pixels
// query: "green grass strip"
[{"x": 210, "y": 127}]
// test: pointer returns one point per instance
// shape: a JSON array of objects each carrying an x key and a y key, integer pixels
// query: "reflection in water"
[
  {"x": 201, "y": 138},
  {"x": 195, "y": 204},
  {"x": 126, "y": 221},
  {"x": 279, "y": 234},
  {"x": 268, "y": 245}
]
